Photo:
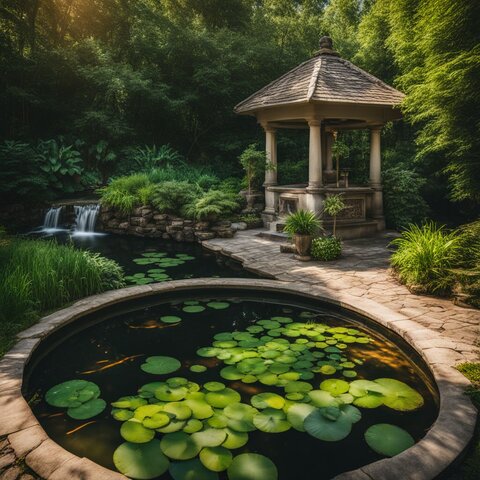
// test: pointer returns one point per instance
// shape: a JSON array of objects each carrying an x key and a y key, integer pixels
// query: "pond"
[{"x": 230, "y": 385}]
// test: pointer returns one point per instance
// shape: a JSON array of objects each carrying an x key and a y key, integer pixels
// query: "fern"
[{"x": 213, "y": 205}]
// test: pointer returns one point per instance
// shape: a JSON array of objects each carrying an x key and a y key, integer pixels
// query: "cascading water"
[
  {"x": 85, "y": 217},
  {"x": 52, "y": 218}
]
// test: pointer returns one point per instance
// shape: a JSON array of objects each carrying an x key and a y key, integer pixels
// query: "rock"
[
  {"x": 136, "y": 221},
  {"x": 226, "y": 233},
  {"x": 160, "y": 217},
  {"x": 177, "y": 223},
  {"x": 204, "y": 235},
  {"x": 146, "y": 211},
  {"x": 179, "y": 236},
  {"x": 239, "y": 226},
  {"x": 202, "y": 226},
  {"x": 287, "y": 248},
  {"x": 112, "y": 224},
  {"x": 123, "y": 226}
]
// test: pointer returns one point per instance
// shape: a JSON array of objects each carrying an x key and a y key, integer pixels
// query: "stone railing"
[{"x": 147, "y": 222}]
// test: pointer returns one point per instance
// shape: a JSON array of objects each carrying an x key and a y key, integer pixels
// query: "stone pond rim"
[{"x": 442, "y": 445}]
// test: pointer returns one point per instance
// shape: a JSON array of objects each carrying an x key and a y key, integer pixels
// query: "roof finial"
[{"x": 326, "y": 46}]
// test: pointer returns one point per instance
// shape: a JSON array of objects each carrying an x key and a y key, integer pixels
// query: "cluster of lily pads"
[
  {"x": 80, "y": 397},
  {"x": 200, "y": 425},
  {"x": 161, "y": 262}
]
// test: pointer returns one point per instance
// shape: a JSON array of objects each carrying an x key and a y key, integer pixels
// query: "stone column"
[
  {"x": 315, "y": 155},
  {"x": 376, "y": 173},
  {"x": 329, "y": 153},
  {"x": 270, "y": 173}
]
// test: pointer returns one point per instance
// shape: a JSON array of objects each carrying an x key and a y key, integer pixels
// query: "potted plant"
[
  {"x": 254, "y": 162},
  {"x": 332, "y": 206},
  {"x": 302, "y": 226}
]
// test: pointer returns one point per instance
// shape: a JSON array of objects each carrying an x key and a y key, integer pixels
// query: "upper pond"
[{"x": 281, "y": 385}]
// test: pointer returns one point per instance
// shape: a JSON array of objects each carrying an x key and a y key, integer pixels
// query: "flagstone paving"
[{"x": 362, "y": 271}]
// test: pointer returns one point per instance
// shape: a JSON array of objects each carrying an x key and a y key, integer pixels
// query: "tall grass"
[
  {"x": 425, "y": 257},
  {"x": 37, "y": 276}
]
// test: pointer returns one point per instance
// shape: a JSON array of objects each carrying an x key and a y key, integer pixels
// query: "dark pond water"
[{"x": 111, "y": 347}]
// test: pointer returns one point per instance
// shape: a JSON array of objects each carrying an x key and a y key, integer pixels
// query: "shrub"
[
  {"x": 173, "y": 197},
  {"x": 404, "y": 203},
  {"x": 425, "y": 256},
  {"x": 37, "y": 276},
  {"x": 326, "y": 248},
  {"x": 147, "y": 158},
  {"x": 302, "y": 222},
  {"x": 123, "y": 192},
  {"x": 332, "y": 206},
  {"x": 254, "y": 162},
  {"x": 213, "y": 205}
]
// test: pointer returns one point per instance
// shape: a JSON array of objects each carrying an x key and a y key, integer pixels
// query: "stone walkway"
[{"x": 363, "y": 271}]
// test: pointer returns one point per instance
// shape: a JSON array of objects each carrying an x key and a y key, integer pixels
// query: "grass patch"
[{"x": 38, "y": 276}]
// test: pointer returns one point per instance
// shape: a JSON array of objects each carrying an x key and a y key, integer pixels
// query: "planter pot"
[{"x": 303, "y": 244}]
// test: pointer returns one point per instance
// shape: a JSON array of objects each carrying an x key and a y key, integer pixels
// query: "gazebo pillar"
[
  {"x": 376, "y": 173},
  {"x": 271, "y": 168},
  {"x": 315, "y": 181}
]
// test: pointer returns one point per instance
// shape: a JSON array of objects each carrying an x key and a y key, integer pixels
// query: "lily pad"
[
  {"x": 331, "y": 424},
  {"x": 191, "y": 470},
  {"x": 222, "y": 398},
  {"x": 141, "y": 461},
  {"x": 160, "y": 365},
  {"x": 172, "y": 427},
  {"x": 218, "y": 305},
  {"x": 158, "y": 420},
  {"x": 210, "y": 437},
  {"x": 388, "y": 440},
  {"x": 72, "y": 393},
  {"x": 267, "y": 399},
  {"x": 133, "y": 431},
  {"x": 198, "y": 368},
  {"x": 170, "y": 393},
  {"x": 199, "y": 406},
  {"x": 400, "y": 396},
  {"x": 214, "y": 386},
  {"x": 121, "y": 414},
  {"x": 231, "y": 373},
  {"x": 297, "y": 413},
  {"x": 208, "y": 352},
  {"x": 271, "y": 420},
  {"x": 192, "y": 426},
  {"x": 179, "y": 446},
  {"x": 252, "y": 466},
  {"x": 130, "y": 402},
  {"x": 193, "y": 309},
  {"x": 88, "y": 409},
  {"x": 216, "y": 459},
  {"x": 170, "y": 319},
  {"x": 322, "y": 398},
  {"x": 179, "y": 410},
  {"x": 335, "y": 386},
  {"x": 235, "y": 439}
]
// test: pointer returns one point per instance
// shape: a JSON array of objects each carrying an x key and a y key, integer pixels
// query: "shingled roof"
[{"x": 324, "y": 78}]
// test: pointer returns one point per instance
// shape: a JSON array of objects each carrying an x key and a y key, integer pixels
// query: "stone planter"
[{"x": 302, "y": 245}]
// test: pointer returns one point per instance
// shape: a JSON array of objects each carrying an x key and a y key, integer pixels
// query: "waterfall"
[
  {"x": 52, "y": 218},
  {"x": 85, "y": 217}
]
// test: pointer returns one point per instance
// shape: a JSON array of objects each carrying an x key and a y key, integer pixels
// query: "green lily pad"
[
  {"x": 331, "y": 424},
  {"x": 252, "y": 466},
  {"x": 172, "y": 427},
  {"x": 198, "y": 368},
  {"x": 267, "y": 399},
  {"x": 231, "y": 373},
  {"x": 216, "y": 459},
  {"x": 235, "y": 439},
  {"x": 72, "y": 393},
  {"x": 121, "y": 414},
  {"x": 191, "y": 470},
  {"x": 193, "y": 309},
  {"x": 170, "y": 319},
  {"x": 146, "y": 411},
  {"x": 388, "y": 440},
  {"x": 199, "y": 406},
  {"x": 210, "y": 437},
  {"x": 271, "y": 420},
  {"x": 218, "y": 305},
  {"x": 160, "y": 365},
  {"x": 192, "y": 426},
  {"x": 141, "y": 461},
  {"x": 208, "y": 352},
  {"x": 169, "y": 393},
  {"x": 87, "y": 410},
  {"x": 133, "y": 431},
  {"x": 400, "y": 396},
  {"x": 148, "y": 390},
  {"x": 297, "y": 413},
  {"x": 322, "y": 398},
  {"x": 214, "y": 386},
  {"x": 130, "y": 402},
  {"x": 222, "y": 398},
  {"x": 179, "y": 410},
  {"x": 157, "y": 420},
  {"x": 335, "y": 386},
  {"x": 296, "y": 386},
  {"x": 179, "y": 446}
]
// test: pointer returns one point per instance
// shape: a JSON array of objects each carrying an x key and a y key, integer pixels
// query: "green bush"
[
  {"x": 173, "y": 197},
  {"x": 326, "y": 248},
  {"x": 425, "y": 257},
  {"x": 147, "y": 158},
  {"x": 404, "y": 203},
  {"x": 213, "y": 205},
  {"x": 302, "y": 222},
  {"x": 37, "y": 276},
  {"x": 123, "y": 192}
]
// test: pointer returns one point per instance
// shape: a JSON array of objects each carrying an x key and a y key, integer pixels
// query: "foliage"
[
  {"x": 425, "y": 256},
  {"x": 213, "y": 205},
  {"x": 302, "y": 222},
  {"x": 147, "y": 158},
  {"x": 37, "y": 276},
  {"x": 254, "y": 162},
  {"x": 104, "y": 159},
  {"x": 123, "y": 192},
  {"x": 173, "y": 197},
  {"x": 333, "y": 205},
  {"x": 472, "y": 371},
  {"x": 403, "y": 200},
  {"x": 326, "y": 248}
]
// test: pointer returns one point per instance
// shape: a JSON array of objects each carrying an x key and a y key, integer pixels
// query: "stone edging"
[{"x": 446, "y": 440}]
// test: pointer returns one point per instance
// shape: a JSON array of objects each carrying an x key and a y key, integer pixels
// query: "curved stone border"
[{"x": 444, "y": 442}]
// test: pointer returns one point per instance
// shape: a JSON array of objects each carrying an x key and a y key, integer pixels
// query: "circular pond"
[{"x": 230, "y": 385}]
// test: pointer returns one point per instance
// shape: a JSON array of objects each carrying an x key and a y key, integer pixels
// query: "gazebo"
[{"x": 325, "y": 94}]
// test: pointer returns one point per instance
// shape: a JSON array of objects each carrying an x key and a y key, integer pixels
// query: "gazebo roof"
[{"x": 324, "y": 78}]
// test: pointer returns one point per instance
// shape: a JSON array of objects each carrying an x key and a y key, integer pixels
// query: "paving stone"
[
  {"x": 13, "y": 473},
  {"x": 7, "y": 460},
  {"x": 26, "y": 440}
]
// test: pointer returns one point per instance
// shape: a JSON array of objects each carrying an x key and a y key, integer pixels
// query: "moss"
[{"x": 471, "y": 370}]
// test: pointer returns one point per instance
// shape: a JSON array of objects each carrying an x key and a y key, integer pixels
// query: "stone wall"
[
  {"x": 147, "y": 222},
  {"x": 18, "y": 216}
]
